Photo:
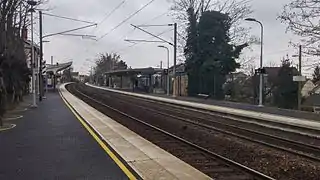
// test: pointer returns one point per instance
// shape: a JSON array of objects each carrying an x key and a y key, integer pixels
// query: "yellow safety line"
[
  {"x": 101, "y": 143},
  {"x": 8, "y": 128}
]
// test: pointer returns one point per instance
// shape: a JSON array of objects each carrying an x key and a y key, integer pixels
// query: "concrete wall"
[{"x": 181, "y": 85}]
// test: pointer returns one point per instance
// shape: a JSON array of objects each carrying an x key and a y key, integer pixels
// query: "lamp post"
[
  {"x": 168, "y": 78},
  {"x": 33, "y": 62},
  {"x": 261, "y": 61}
]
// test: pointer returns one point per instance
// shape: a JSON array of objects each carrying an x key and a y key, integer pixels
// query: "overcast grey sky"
[{"x": 65, "y": 48}]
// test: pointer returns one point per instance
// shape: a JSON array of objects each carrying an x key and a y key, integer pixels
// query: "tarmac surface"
[{"x": 50, "y": 143}]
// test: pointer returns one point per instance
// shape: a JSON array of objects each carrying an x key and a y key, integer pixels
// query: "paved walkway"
[{"x": 50, "y": 143}]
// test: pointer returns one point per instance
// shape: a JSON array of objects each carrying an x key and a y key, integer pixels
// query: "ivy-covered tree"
[
  {"x": 191, "y": 53},
  {"x": 217, "y": 54},
  {"x": 316, "y": 74},
  {"x": 286, "y": 90}
]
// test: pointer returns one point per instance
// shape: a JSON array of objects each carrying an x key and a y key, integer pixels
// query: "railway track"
[
  {"x": 308, "y": 150},
  {"x": 243, "y": 119},
  {"x": 212, "y": 164},
  {"x": 299, "y": 144}
]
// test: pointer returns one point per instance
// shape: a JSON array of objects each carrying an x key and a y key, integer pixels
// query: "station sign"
[{"x": 299, "y": 78}]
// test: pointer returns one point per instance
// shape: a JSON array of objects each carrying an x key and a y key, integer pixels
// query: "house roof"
[
  {"x": 272, "y": 73},
  {"x": 314, "y": 90},
  {"x": 57, "y": 67},
  {"x": 180, "y": 68},
  {"x": 236, "y": 75},
  {"x": 136, "y": 71},
  {"x": 313, "y": 100},
  {"x": 74, "y": 73}
]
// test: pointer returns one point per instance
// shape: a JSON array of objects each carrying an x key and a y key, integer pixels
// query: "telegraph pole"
[{"x": 300, "y": 74}]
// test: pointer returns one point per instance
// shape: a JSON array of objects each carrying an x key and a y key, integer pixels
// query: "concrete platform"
[
  {"x": 238, "y": 105},
  {"x": 299, "y": 122},
  {"x": 146, "y": 159},
  {"x": 49, "y": 143}
]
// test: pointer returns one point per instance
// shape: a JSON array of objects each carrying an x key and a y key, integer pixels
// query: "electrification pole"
[
  {"x": 41, "y": 92},
  {"x": 174, "y": 59},
  {"x": 34, "y": 102},
  {"x": 174, "y": 44}
]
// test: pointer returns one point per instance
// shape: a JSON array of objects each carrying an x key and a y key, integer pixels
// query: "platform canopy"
[
  {"x": 55, "y": 68},
  {"x": 137, "y": 71}
]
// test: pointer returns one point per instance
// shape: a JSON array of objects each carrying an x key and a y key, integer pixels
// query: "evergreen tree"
[
  {"x": 209, "y": 53},
  {"x": 217, "y": 54},
  {"x": 286, "y": 90},
  {"x": 316, "y": 74}
]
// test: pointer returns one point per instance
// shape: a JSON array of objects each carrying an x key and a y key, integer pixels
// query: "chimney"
[{"x": 24, "y": 34}]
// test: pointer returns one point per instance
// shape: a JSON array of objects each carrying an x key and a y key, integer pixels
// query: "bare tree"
[
  {"x": 107, "y": 62},
  {"x": 247, "y": 63},
  {"x": 236, "y": 9},
  {"x": 13, "y": 66},
  {"x": 302, "y": 18}
]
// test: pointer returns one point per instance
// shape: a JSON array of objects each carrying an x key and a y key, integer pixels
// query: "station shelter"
[
  {"x": 149, "y": 80},
  {"x": 52, "y": 75}
]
